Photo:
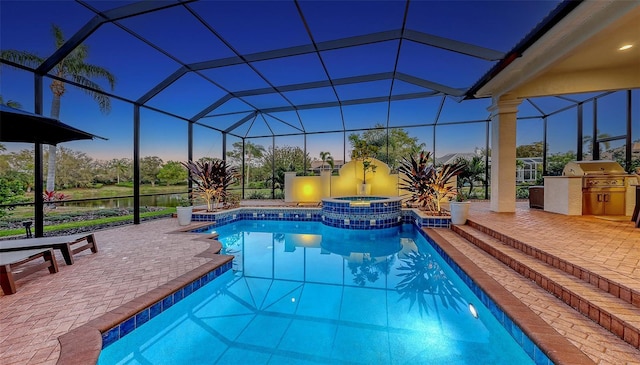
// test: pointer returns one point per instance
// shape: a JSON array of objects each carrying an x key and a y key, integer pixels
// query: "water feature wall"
[{"x": 315, "y": 188}]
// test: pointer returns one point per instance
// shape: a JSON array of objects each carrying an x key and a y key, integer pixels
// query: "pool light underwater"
[{"x": 473, "y": 310}]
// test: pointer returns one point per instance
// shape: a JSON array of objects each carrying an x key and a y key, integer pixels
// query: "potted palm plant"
[
  {"x": 184, "y": 210},
  {"x": 364, "y": 152},
  {"x": 459, "y": 208},
  {"x": 211, "y": 179}
]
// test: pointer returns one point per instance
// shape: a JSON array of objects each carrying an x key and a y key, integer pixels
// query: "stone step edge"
[
  {"x": 611, "y": 322},
  {"x": 553, "y": 344},
  {"x": 618, "y": 290}
]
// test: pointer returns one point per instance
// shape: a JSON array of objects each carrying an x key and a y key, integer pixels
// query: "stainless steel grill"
[{"x": 603, "y": 186}]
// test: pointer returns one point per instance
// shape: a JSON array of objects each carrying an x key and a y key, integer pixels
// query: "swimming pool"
[{"x": 303, "y": 292}]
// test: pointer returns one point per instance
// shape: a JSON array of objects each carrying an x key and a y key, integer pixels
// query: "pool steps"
[{"x": 612, "y": 305}]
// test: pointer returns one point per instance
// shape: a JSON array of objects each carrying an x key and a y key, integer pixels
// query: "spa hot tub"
[{"x": 362, "y": 212}]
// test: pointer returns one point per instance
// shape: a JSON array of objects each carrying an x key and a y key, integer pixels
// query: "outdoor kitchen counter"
[{"x": 563, "y": 194}]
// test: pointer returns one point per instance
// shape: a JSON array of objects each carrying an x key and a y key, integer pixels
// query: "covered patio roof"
[{"x": 594, "y": 48}]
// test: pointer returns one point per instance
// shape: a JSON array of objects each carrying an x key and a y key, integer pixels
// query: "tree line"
[{"x": 76, "y": 169}]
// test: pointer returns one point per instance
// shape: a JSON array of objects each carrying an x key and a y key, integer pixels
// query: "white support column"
[{"x": 503, "y": 154}]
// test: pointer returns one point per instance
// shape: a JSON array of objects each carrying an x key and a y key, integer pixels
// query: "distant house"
[
  {"x": 317, "y": 166},
  {"x": 620, "y": 151},
  {"x": 452, "y": 157},
  {"x": 528, "y": 169}
]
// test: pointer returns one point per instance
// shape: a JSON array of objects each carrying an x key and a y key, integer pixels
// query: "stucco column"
[
  {"x": 288, "y": 186},
  {"x": 503, "y": 154},
  {"x": 325, "y": 183}
]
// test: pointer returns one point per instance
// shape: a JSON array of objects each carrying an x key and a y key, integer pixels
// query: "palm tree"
[
  {"x": 327, "y": 159},
  {"x": 73, "y": 67},
  {"x": 120, "y": 167},
  {"x": 252, "y": 150},
  {"x": 473, "y": 171}
]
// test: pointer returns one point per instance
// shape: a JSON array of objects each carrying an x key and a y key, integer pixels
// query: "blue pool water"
[{"x": 306, "y": 293}]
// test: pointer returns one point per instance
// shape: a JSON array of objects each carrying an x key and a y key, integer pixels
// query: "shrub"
[
  {"x": 211, "y": 180},
  {"x": 522, "y": 192},
  {"x": 60, "y": 218},
  {"x": 108, "y": 213},
  {"x": 256, "y": 185},
  {"x": 232, "y": 200},
  {"x": 257, "y": 195}
]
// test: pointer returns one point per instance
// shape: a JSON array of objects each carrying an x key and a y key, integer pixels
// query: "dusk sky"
[{"x": 251, "y": 27}]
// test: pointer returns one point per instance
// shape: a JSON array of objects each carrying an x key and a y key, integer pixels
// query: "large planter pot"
[
  {"x": 459, "y": 212},
  {"x": 364, "y": 189},
  {"x": 184, "y": 215}
]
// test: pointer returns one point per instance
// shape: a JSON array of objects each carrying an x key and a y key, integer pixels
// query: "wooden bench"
[
  {"x": 9, "y": 261},
  {"x": 68, "y": 245}
]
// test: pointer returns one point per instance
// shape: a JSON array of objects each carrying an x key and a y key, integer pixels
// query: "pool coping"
[
  {"x": 555, "y": 346},
  {"x": 83, "y": 344},
  {"x": 223, "y": 217}
]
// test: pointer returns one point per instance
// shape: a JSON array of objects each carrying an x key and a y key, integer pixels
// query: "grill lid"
[{"x": 598, "y": 167}]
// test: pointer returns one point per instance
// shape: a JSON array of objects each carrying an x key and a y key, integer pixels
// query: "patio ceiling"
[
  {"x": 254, "y": 69},
  {"x": 581, "y": 54}
]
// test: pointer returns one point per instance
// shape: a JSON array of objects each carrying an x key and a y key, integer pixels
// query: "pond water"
[{"x": 167, "y": 200}]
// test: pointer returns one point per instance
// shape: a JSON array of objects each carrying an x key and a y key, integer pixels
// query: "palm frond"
[
  {"x": 93, "y": 71},
  {"x": 22, "y": 57},
  {"x": 58, "y": 35},
  {"x": 104, "y": 101}
]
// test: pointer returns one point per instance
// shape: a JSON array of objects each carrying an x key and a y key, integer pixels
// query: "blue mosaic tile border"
[
  {"x": 356, "y": 221},
  {"x": 373, "y": 207},
  {"x": 362, "y": 224},
  {"x": 278, "y": 214},
  {"x": 377, "y": 215},
  {"x": 411, "y": 216},
  {"x": 142, "y": 317},
  {"x": 534, "y": 352}
]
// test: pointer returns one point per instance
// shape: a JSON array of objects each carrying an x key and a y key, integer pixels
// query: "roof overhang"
[{"x": 579, "y": 54}]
